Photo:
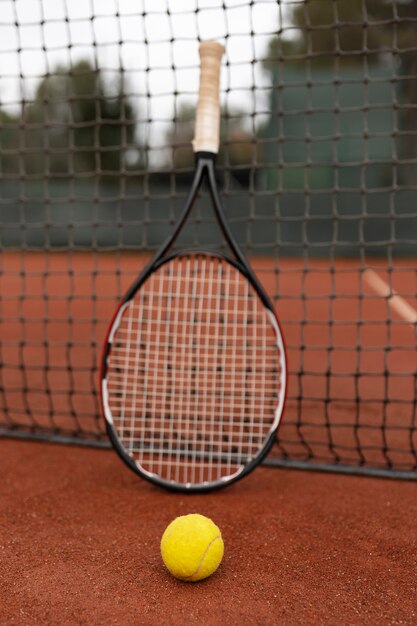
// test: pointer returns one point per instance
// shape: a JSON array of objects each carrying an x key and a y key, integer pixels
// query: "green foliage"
[
  {"x": 9, "y": 143},
  {"x": 324, "y": 32},
  {"x": 76, "y": 124}
]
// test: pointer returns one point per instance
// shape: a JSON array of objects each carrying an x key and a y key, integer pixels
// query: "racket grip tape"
[{"x": 207, "y": 127}]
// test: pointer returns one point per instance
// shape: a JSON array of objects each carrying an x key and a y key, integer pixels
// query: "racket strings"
[{"x": 194, "y": 375}]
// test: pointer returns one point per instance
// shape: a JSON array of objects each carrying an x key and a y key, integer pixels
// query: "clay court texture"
[
  {"x": 352, "y": 360},
  {"x": 80, "y": 545},
  {"x": 80, "y": 533}
]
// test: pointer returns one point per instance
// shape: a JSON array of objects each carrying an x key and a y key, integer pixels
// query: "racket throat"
[{"x": 204, "y": 174}]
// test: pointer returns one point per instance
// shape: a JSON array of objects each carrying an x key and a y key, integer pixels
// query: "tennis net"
[{"x": 318, "y": 176}]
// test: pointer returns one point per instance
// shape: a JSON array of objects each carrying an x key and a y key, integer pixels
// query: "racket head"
[{"x": 193, "y": 377}]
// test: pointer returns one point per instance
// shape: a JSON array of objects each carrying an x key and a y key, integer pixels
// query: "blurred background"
[{"x": 319, "y": 117}]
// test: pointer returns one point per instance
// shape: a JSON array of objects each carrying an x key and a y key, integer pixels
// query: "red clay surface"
[
  {"x": 79, "y": 544},
  {"x": 352, "y": 361}
]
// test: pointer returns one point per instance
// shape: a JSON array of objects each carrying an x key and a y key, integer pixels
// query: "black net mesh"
[{"x": 318, "y": 177}]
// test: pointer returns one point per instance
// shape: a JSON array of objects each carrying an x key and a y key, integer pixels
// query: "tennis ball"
[{"x": 192, "y": 547}]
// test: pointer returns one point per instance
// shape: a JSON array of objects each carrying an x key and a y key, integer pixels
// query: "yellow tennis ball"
[{"x": 192, "y": 547}]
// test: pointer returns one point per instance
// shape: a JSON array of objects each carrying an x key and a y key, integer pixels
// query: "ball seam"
[{"x": 202, "y": 558}]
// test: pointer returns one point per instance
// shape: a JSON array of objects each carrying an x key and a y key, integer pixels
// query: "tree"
[
  {"x": 324, "y": 30},
  {"x": 77, "y": 124},
  {"x": 9, "y": 144}
]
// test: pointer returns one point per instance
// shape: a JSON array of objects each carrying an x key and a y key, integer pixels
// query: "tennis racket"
[{"x": 193, "y": 376}]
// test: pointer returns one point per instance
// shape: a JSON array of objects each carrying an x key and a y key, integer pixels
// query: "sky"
[{"x": 155, "y": 41}]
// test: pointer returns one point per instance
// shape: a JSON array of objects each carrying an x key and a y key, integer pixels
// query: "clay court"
[
  {"x": 314, "y": 106},
  {"x": 80, "y": 533},
  {"x": 80, "y": 545},
  {"x": 352, "y": 360}
]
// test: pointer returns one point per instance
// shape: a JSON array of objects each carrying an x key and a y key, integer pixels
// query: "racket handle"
[{"x": 207, "y": 127}]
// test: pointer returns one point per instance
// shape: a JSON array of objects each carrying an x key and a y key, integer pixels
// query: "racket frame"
[
  {"x": 204, "y": 171},
  {"x": 205, "y": 145}
]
